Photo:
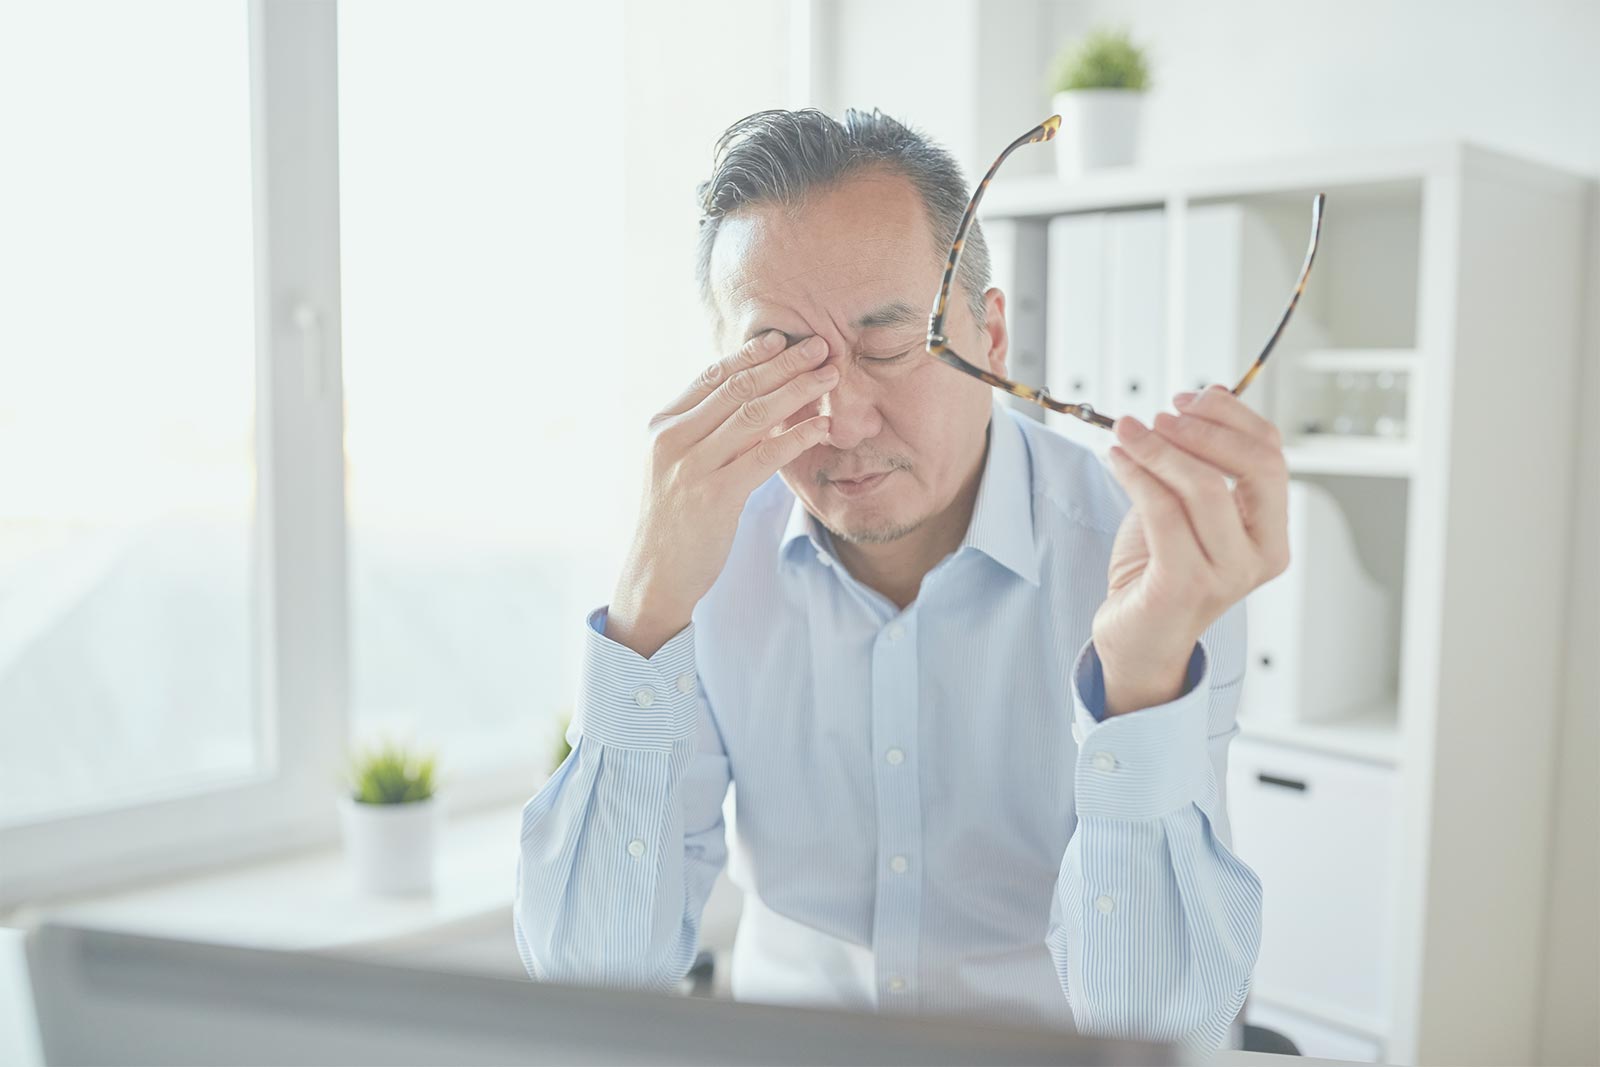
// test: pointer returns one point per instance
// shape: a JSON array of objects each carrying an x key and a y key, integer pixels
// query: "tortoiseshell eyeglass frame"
[{"x": 939, "y": 345}]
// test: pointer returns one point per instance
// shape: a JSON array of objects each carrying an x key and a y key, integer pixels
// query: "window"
[
  {"x": 172, "y": 638},
  {"x": 481, "y": 203},
  {"x": 322, "y": 411},
  {"x": 127, "y": 366}
]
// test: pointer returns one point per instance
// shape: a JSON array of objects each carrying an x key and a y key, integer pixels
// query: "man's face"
[{"x": 857, "y": 266}]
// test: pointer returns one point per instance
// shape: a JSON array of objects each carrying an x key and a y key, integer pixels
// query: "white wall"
[
  {"x": 1242, "y": 78},
  {"x": 693, "y": 68}
]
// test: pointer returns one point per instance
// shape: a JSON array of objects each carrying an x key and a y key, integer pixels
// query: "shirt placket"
[{"x": 898, "y": 904}]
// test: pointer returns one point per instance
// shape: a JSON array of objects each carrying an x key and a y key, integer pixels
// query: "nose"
[{"x": 852, "y": 407}]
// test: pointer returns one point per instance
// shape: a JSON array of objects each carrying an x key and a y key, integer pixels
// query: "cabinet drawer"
[{"x": 1320, "y": 833}]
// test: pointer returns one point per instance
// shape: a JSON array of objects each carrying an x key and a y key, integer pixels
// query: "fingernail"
[
  {"x": 828, "y": 375},
  {"x": 1183, "y": 399},
  {"x": 814, "y": 345},
  {"x": 1130, "y": 429},
  {"x": 772, "y": 340}
]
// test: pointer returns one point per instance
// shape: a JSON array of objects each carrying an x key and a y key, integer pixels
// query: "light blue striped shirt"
[{"x": 932, "y": 814}]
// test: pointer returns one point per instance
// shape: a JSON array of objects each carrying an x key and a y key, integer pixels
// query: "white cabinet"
[
  {"x": 1106, "y": 322},
  {"x": 1017, "y": 268},
  {"x": 1237, "y": 277},
  {"x": 1318, "y": 635},
  {"x": 1319, "y": 832},
  {"x": 1076, "y": 345},
  {"x": 1468, "y": 262},
  {"x": 1136, "y": 321}
]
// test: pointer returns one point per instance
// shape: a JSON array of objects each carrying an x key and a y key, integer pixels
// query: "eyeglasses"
[{"x": 939, "y": 345}]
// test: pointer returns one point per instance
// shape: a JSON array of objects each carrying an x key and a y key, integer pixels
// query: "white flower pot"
[
  {"x": 1099, "y": 128},
  {"x": 391, "y": 847}
]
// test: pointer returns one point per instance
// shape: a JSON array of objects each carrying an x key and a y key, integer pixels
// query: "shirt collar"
[
  {"x": 1002, "y": 518},
  {"x": 801, "y": 527}
]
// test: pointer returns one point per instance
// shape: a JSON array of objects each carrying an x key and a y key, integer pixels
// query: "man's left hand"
[{"x": 1190, "y": 547}]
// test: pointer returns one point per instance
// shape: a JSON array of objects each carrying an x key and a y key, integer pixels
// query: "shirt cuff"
[
  {"x": 1144, "y": 763},
  {"x": 627, "y": 701}
]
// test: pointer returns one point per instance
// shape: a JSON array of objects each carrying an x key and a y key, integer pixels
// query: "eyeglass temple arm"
[
  {"x": 1045, "y": 131},
  {"x": 1294, "y": 297}
]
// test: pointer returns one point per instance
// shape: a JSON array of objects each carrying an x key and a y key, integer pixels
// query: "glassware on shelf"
[
  {"x": 1344, "y": 421},
  {"x": 1390, "y": 420},
  {"x": 1359, "y": 394},
  {"x": 1315, "y": 393},
  {"x": 1363, "y": 403}
]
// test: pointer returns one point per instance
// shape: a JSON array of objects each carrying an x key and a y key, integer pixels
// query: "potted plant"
[
  {"x": 1099, "y": 84},
  {"x": 389, "y": 815}
]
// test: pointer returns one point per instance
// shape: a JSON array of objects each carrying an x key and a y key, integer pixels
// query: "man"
[{"x": 975, "y": 690}]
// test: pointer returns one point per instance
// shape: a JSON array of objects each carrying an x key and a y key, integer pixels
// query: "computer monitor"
[{"x": 107, "y": 997}]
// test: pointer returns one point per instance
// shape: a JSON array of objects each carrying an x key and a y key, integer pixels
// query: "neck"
[{"x": 896, "y": 569}]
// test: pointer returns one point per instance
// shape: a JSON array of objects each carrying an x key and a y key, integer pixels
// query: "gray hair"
[{"x": 781, "y": 157}]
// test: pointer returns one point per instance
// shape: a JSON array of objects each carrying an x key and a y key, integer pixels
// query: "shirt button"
[
  {"x": 686, "y": 683},
  {"x": 895, "y": 631},
  {"x": 644, "y": 696},
  {"x": 636, "y": 849},
  {"x": 894, "y": 757},
  {"x": 1105, "y": 761},
  {"x": 898, "y": 865},
  {"x": 1104, "y": 904},
  {"x": 897, "y": 984}
]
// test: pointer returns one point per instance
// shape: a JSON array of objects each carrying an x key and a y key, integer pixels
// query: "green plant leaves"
[
  {"x": 1105, "y": 59},
  {"x": 390, "y": 774}
]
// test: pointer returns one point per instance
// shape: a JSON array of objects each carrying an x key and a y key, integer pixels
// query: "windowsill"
[{"x": 309, "y": 901}]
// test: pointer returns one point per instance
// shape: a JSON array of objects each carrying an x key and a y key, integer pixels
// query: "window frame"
[{"x": 299, "y": 604}]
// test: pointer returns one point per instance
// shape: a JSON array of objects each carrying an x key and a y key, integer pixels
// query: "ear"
[{"x": 994, "y": 329}]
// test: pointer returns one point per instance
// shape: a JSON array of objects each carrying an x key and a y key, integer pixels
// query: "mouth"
[{"x": 854, "y": 487}]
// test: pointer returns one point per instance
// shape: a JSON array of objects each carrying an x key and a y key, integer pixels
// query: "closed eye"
[{"x": 888, "y": 359}]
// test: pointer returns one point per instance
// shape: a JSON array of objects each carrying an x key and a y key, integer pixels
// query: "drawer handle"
[{"x": 1283, "y": 783}]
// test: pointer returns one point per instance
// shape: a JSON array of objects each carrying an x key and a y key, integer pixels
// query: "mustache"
[{"x": 870, "y": 459}]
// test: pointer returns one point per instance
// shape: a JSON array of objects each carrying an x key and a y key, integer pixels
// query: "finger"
[
  {"x": 1172, "y": 541},
  {"x": 754, "y": 352},
  {"x": 1262, "y": 490},
  {"x": 760, "y": 415},
  {"x": 749, "y": 387},
  {"x": 758, "y": 464},
  {"x": 1217, "y": 403},
  {"x": 1201, "y": 489},
  {"x": 1234, "y": 452}
]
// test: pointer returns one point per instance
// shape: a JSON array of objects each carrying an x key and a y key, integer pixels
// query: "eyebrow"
[{"x": 895, "y": 313}]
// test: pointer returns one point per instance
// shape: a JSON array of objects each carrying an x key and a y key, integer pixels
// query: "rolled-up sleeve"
[{"x": 1155, "y": 924}]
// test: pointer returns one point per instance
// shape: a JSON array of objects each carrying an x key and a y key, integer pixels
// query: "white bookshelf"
[{"x": 1459, "y": 268}]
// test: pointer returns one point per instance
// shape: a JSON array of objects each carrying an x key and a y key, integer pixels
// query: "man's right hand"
[{"x": 710, "y": 449}]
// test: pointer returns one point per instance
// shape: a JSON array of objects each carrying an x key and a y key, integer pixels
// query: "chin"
[{"x": 870, "y": 522}]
